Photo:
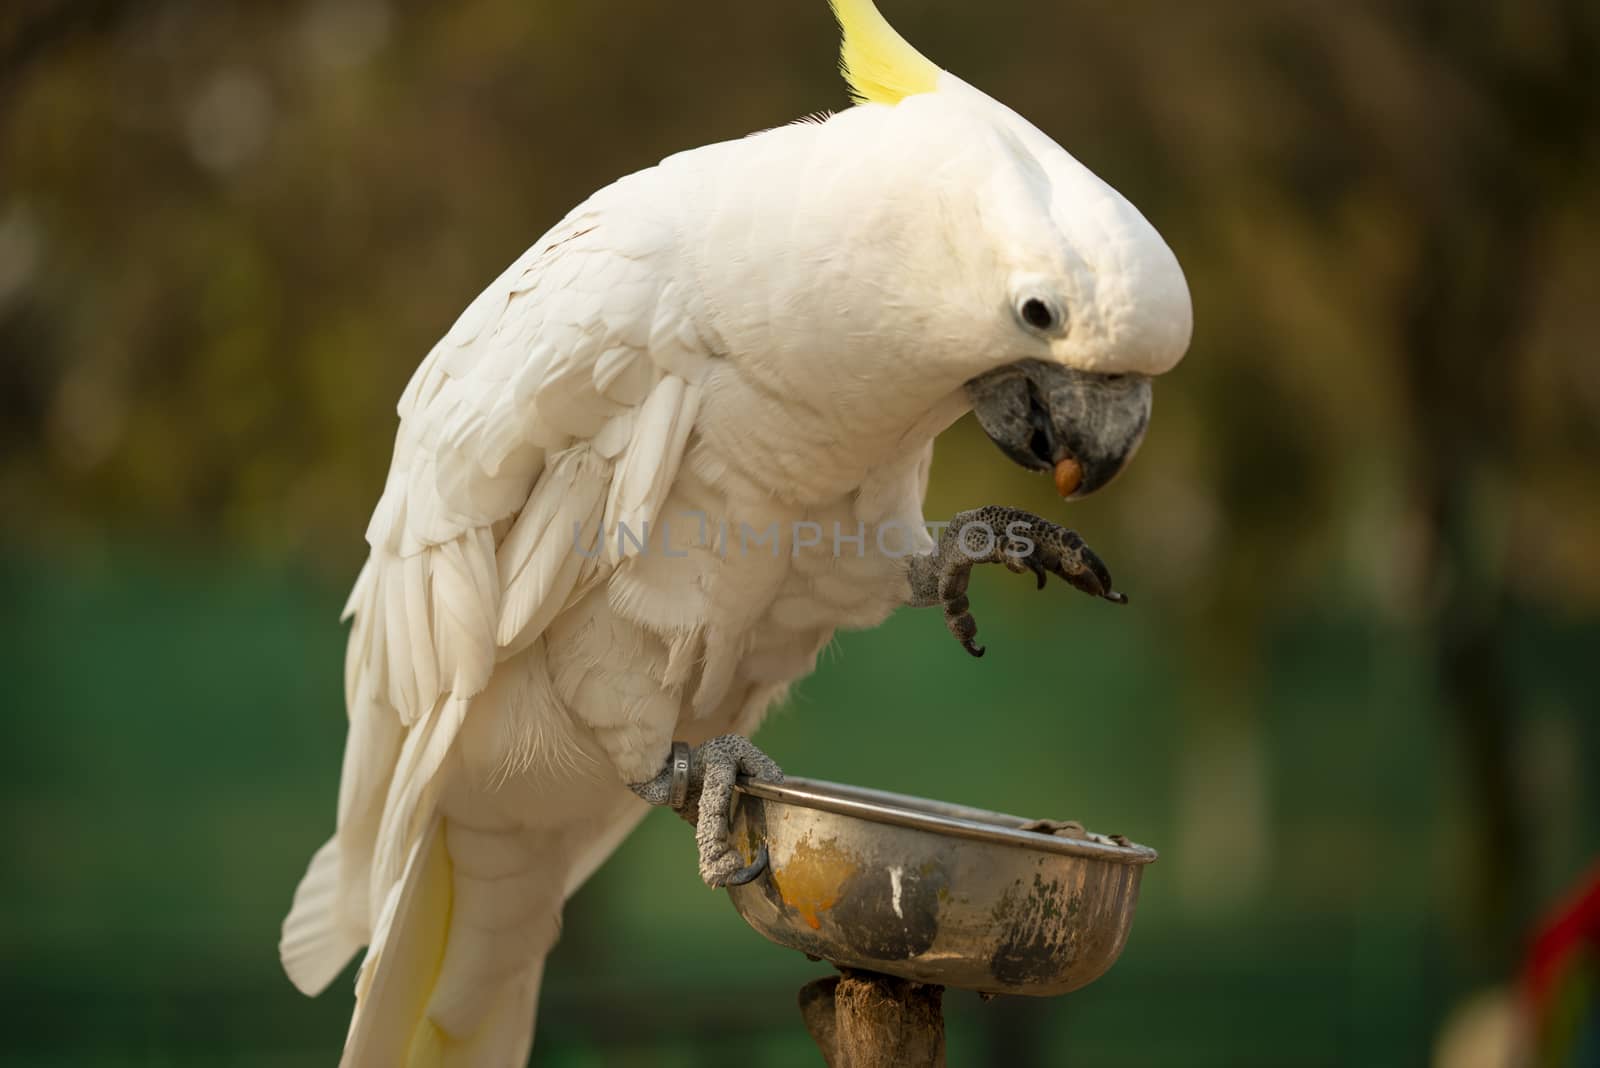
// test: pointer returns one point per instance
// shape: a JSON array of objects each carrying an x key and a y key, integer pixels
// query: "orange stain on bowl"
[{"x": 811, "y": 879}]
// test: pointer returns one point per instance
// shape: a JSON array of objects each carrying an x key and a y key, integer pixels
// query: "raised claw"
[{"x": 1020, "y": 541}]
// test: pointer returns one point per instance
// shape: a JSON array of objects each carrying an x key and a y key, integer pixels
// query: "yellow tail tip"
[
  {"x": 427, "y": 1046},
  {"x": 880, "y": 66}
]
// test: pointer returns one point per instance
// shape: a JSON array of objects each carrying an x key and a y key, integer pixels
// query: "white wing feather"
[{"x": 562, "y": 397}]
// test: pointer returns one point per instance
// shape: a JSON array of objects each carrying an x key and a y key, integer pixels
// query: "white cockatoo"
[{"x": 651, "y": 470}]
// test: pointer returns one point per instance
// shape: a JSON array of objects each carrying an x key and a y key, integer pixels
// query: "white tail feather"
[
  {"x": 403, "y": 962},
  {"x": 316, "y": 943},
  {"x": 398, "y": 1011}
]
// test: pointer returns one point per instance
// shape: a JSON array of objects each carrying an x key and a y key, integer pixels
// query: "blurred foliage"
[{"x": 1354, "y": 702}]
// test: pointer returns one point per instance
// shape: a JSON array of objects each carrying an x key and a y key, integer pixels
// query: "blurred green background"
[{"x": 1355, "y": 702}]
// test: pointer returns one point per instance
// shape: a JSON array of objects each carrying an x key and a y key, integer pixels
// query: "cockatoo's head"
[{"x": 1056, "y": 300}]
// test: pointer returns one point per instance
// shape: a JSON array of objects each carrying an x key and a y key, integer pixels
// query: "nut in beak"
[{"x": 1068, "y": 476}]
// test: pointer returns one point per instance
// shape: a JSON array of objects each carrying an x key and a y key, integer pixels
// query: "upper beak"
[{"x": 1083, "y": 427}]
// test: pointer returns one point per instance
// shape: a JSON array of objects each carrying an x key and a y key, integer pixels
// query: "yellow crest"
[{"x": 880, "y": 65}]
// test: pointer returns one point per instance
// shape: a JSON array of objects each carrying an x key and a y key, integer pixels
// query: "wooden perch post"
[{"x": 866, "y": 1020}]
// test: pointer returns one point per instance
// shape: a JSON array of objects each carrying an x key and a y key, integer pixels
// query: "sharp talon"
[
  {"x": 752, "y": 870},
  {"x": 1097, "y": 568},
  {"x": 1117, "y": 598},
  {"x": 1042, "y": 573},
  {"x": 975, "y": 650},
  {"x": 1090, "y": 583}
]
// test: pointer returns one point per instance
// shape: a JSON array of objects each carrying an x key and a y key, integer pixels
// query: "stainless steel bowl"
[{"x": 934, "y": 892}]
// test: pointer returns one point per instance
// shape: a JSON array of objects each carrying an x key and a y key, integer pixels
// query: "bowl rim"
[{"x": 938, "y": 817}]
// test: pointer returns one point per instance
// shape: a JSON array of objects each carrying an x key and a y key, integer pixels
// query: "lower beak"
[{"x": 1081, "y": 427}]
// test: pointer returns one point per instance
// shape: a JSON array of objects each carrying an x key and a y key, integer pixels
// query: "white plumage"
[{"x": 758, "y": 333}]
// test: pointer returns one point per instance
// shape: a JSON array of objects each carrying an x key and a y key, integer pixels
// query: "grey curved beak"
[{"x": 1042, "y": 413}]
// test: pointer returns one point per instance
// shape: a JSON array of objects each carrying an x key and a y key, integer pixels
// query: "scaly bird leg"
[
  {"x": 1022, "y": 542},
  {"x": 705, "y": 795}
]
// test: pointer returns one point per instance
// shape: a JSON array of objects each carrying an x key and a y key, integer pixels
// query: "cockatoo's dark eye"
[{"x": 1039, "y": 314}]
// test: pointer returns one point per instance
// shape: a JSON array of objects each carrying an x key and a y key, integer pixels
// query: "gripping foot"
[{"x": 698, "y": 784}]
